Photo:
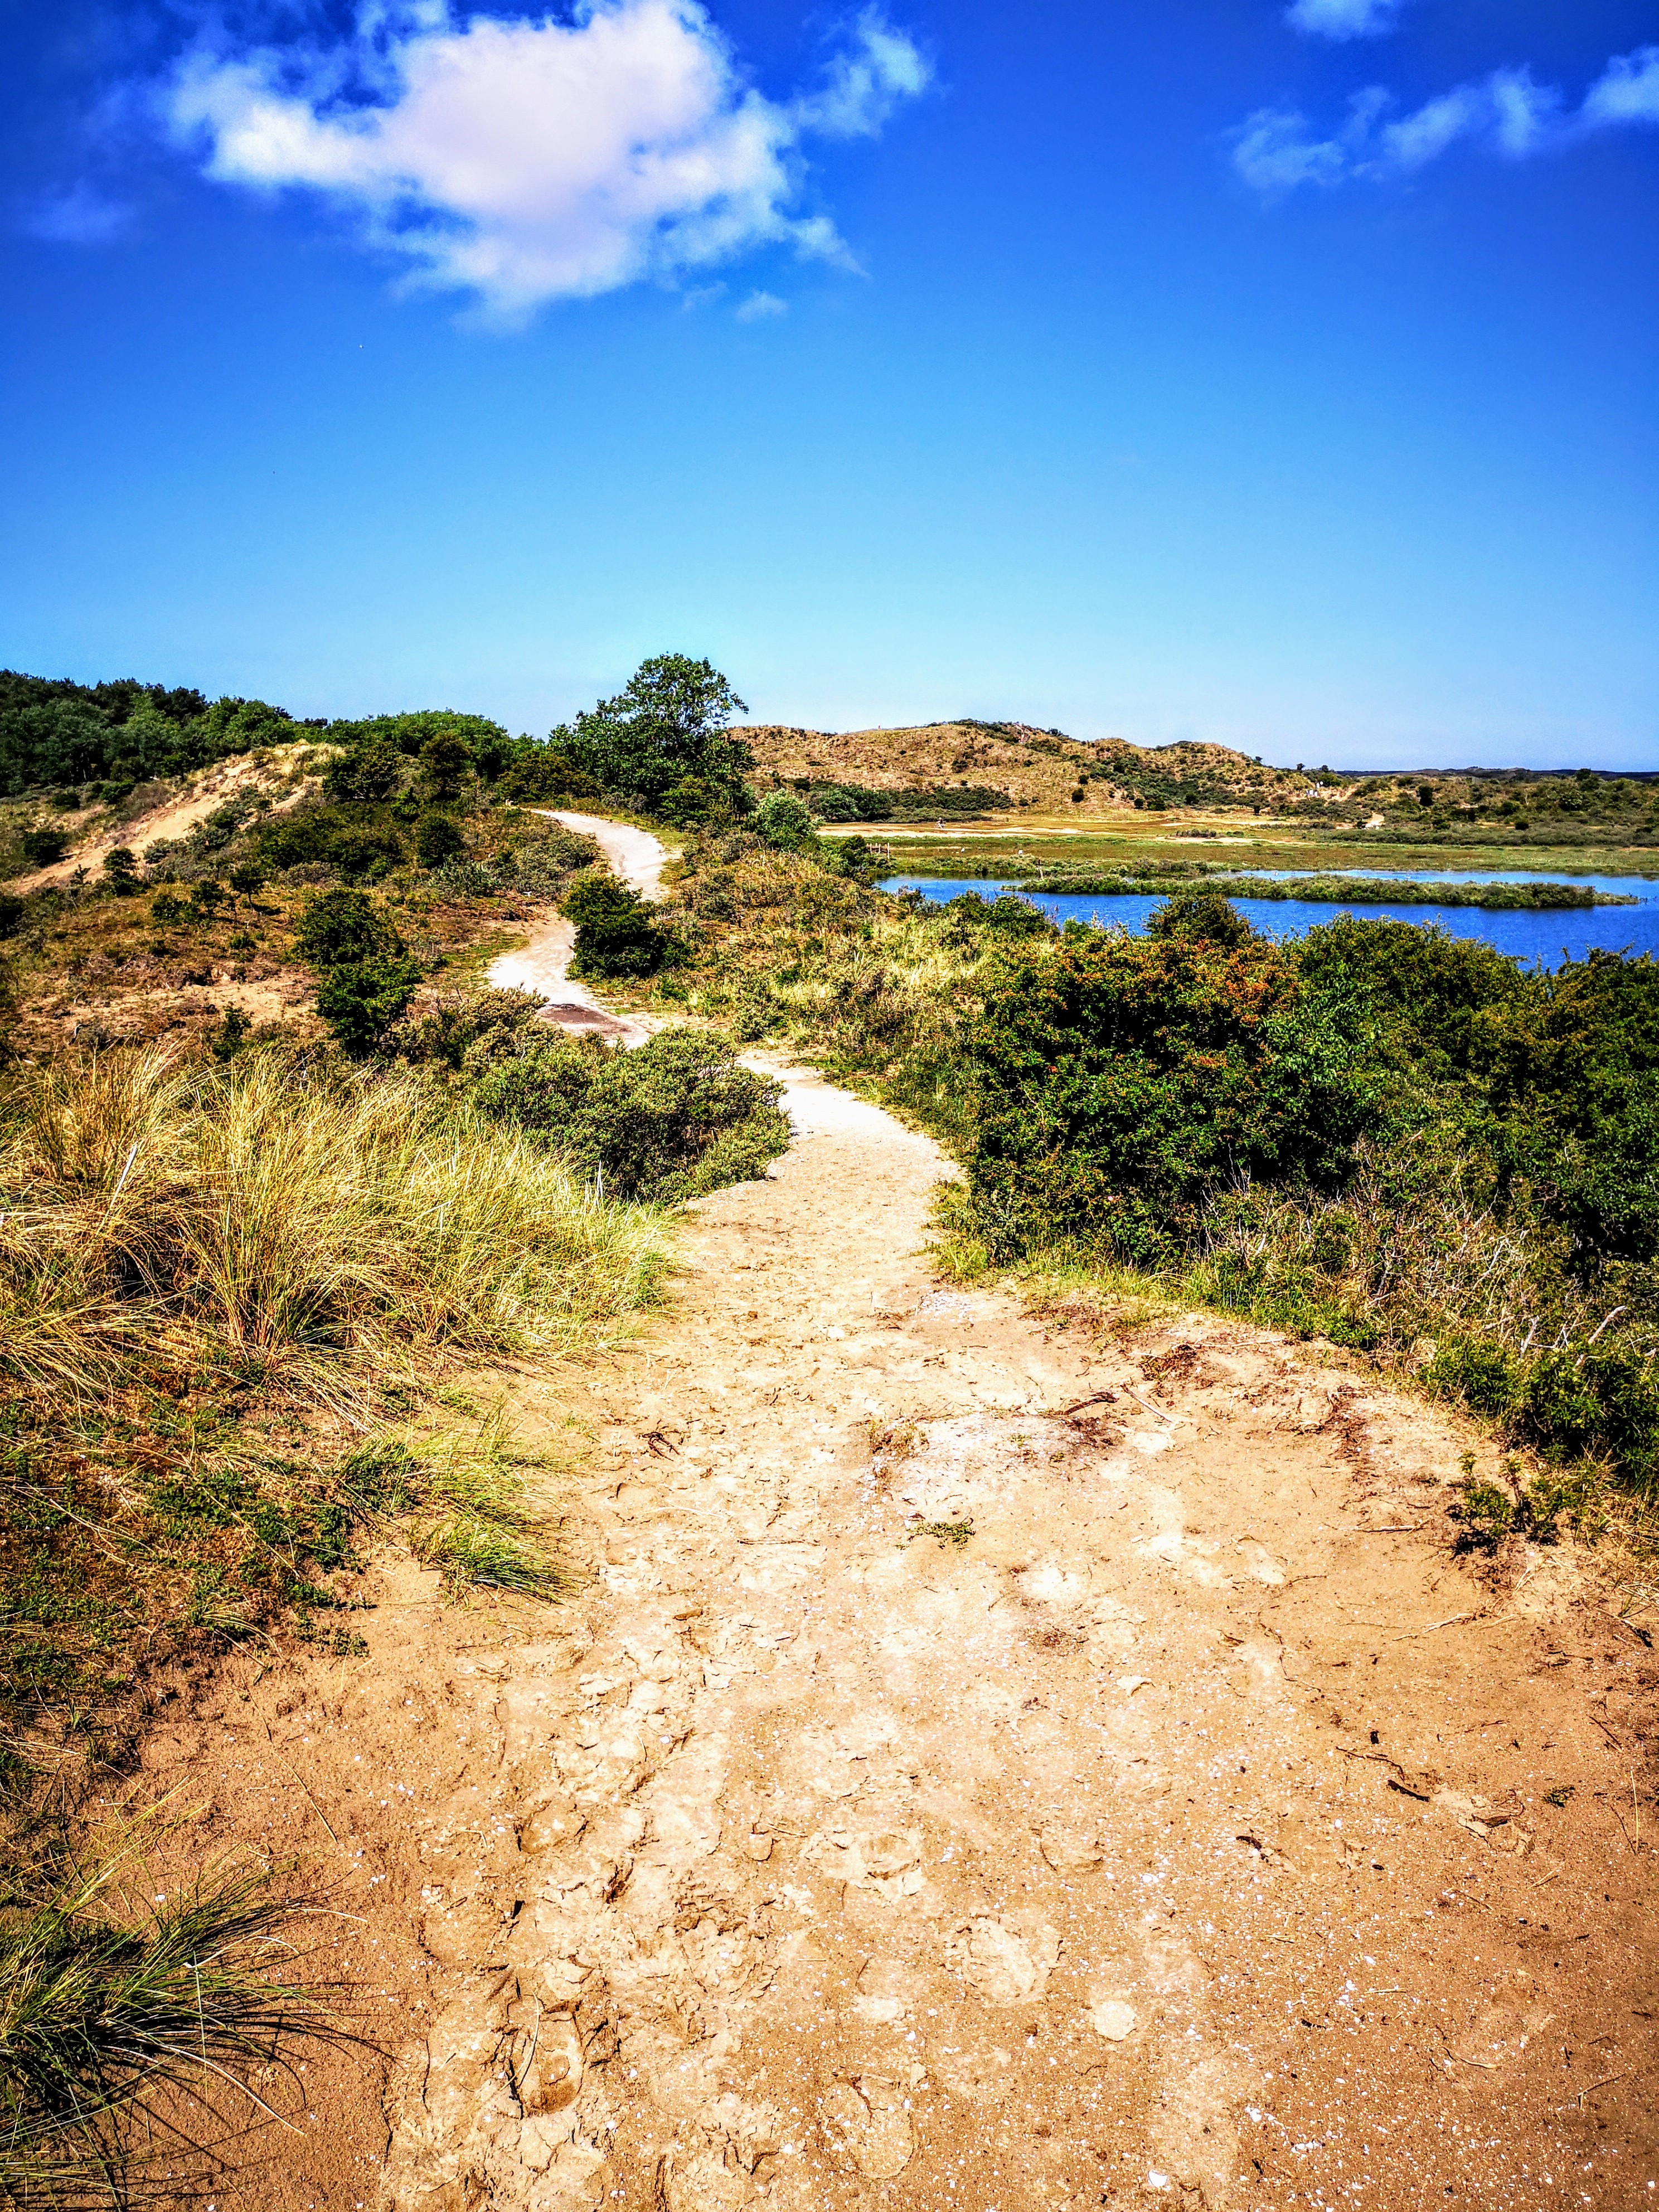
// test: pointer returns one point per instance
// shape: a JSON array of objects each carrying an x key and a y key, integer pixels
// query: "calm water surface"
[{"x": 1542, "y": 939}]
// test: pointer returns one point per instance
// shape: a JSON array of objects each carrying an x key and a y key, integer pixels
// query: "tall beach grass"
[{"x": 292, "y": 1220}]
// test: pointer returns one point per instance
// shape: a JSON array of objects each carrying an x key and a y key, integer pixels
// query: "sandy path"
[
  {"x": 981, "y": 1768},
  {"x": 543, "y": 965},
  {"x": 948, "y": 1792}
]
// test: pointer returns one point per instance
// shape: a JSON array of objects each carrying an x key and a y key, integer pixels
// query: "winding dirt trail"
[
  {"x": 986, "y": 1773},
  {"x": 543, "y": 965},
  {"x": 983, "y": 1767}
]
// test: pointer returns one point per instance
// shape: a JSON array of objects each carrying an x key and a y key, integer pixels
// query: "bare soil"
[
  {"x": 980, "y": 1768},
  {"x": 983, "y": 1766}
]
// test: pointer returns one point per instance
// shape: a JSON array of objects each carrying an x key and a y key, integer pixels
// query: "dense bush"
[
  {"x": 362, "y": 999},
  {"x": 962, "y": 919},
  {"x": 674, "y": 1119},
  {"x": 344, "y": 924},
  {"x": 43, "y": 847},
  {"x": 1120, "y": 1081},
  {"x": 854, "y": 802},
  {"x": 617, "y": 935},
  {"x": 537, "y": 775},
  {"x": 360, "y": 842},
  {"x": 367, "y": 978},
  {"x": 437, "y": 841},
  {"x": 785, "y": 822},
  {"x": 1382, "y": 1135}
]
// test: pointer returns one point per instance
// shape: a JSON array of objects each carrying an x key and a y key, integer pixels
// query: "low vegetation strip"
[
  {"x": 1339, "y": 890},
  {"x": 121, "y": 2035}
]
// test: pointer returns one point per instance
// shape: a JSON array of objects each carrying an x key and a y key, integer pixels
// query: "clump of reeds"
[
  {"x": 115, "y": 2027},
  {"x": 462, "y": 1504}
]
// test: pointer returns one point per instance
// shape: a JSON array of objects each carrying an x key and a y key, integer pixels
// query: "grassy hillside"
[{"x": 1056, "y": 785}]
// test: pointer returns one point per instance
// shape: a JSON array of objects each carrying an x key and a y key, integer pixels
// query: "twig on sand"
[{"x": 300, "y": 1785}]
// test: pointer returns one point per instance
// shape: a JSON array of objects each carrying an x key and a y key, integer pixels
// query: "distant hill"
[
  {"x": 964, "y": 768},
  {"x": 1029, "y": 767}
]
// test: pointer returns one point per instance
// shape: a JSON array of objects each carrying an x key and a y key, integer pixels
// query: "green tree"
[
  {"x": 360, "y": 999},
  {"x": 437, "y": 841},
  {"x": 370, "y": 771},
  {"x": 668, "y": 724},
  {"x": 121, "y": 871},
  {"x": 446, "y": 763},
  {"x": 340, "y": 926}
]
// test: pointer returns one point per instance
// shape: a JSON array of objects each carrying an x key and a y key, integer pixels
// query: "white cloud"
[
  {"x": 534, "y": 158},
  {"x": 1343, "y": 19},
  {"x": 1627, "y": 90},
  {"x": 761, "y": 307},
  {"x": 1276, "y": 149}
]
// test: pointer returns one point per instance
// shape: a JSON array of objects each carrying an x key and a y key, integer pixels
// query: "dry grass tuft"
[
  {"x": 115, "y": 2022},
  {"x": 294, "y": 1221}
]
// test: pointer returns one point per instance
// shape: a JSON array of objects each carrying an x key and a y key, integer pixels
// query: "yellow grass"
[{"x": 303, "y": 1222}]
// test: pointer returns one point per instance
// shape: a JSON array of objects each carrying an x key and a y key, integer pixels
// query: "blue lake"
[{"x": 1543, "y": 940}]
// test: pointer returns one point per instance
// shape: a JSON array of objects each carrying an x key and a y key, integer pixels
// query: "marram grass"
[
  {"x": 116, "y": 2025},
  {"x": 302, "y": 1223}
]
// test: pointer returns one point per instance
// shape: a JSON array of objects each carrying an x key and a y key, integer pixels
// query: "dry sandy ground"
[
  {"x": 174, "y": 818},
  {"x": 981, "y": 1767}
]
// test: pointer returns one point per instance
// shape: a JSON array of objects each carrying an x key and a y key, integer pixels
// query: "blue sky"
[{"x": 1163, "y": 368}]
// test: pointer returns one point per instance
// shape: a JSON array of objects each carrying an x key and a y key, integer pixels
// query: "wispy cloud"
[
  {"x": 1343, "y": 19},
  {"x": 80, "y": 216},
  {"x": 761, "y": 307},
  {"x": 533, "y": 160},
  {"x": 1509, "y": 112}
]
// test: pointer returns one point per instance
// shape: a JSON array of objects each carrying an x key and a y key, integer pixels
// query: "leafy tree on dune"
[{"x": 666, "y": 732}]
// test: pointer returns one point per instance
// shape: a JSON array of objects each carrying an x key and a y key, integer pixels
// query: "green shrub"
[
  {"x": 1203, "y": 915},
  {"x": 1483, "y": 1374},
  {"x": 344, "y": 924},
  {"x": 471, "y": 1032},
  {"x": 121, "y": 871},
  {"x": 361, "y": 1000},
  {"x": 370, "y": 771},
  {"x": 616, "y": 934},
  {"x": 785, "y": 822},
  {"x": 675, "y": 1119},
  {"x": 536, "y": 774},
  {"x": 1119, "y": 1082},
  {"x": 12, "y": 910},
  {"x": 437, "y": 841},
  {"x": 356, "y": 841},
  {"x": 44, "y": 847},
  {"x": 1602, "y": 1398},
  {"x": 1488, "y": 1511},
  {"x": 964, "y": 917},
  {"x": 446, "y": 763}
]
